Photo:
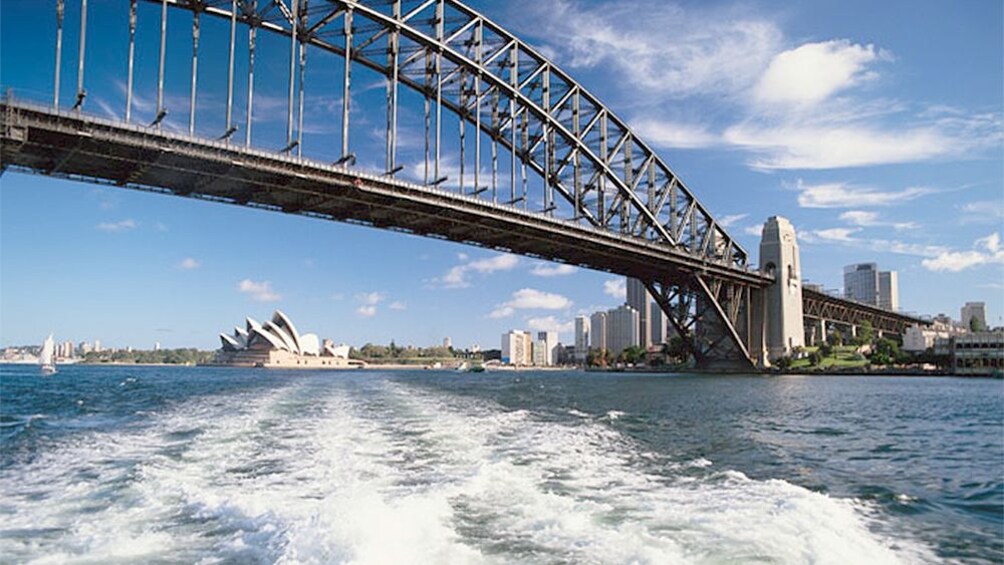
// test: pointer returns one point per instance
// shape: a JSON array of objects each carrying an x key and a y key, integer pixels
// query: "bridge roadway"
[{"x": 77, "y": 146}]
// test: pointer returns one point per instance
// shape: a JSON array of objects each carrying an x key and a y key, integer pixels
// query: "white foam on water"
[{"x": 378, "y": 472}]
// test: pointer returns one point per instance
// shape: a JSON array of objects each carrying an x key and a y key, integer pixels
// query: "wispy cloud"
[
  {"x": 112, "y": 227},
  {"x": 188, "y": 264},
  {"x": 530, "y": 299},
  {"x": 397, "y": 305},
  {"x": 616, "y": 288},
  {"x": 459, "y": 276},
  {"x": 670, "y": 134},
  {"x": 872, "y": 219},
  {"x": 842, "y": 195},
  {"x": 985, "y": 251},
  {"x": 258, "y": 291},
  {"x": 730, "y": 220},
  {"x": 552, "y": 270}
]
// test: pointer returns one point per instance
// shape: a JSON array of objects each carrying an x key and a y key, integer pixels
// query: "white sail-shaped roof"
[
  {"x": 229, "y": 343},
  {"x": 264, "y": 334},
  {"x": 310, "y": 345},
  {"x": 281, "y": 334},
  {"x": 280, "y": 319}
]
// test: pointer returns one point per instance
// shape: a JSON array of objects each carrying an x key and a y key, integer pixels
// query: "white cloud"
[
  {"x": 459, "y": 276},
  {"x": 836, "y": 234},
  {"x": 616, "y": 288},
  {"x": 813, "y": 72},
  {"x": 259, "y": 291},
  {"x": 117, "y": 226},
  {"x": 986, "y": 251},
  {"x": 366, "y": 311},
  {"x": 188, "y": 264},
  {"x": 709, "y": 52},
  {"x": 753, "y": 230},
  {"x": 550, "y": 324},
  {"x": 841, "y": 195},
  {"x": 548, "y": 270},
  {"x": 530, "y": 299},
  {"x": 872, "y": 219},
  {"x": 729, "y": 220},
  {"x": 987, "y": 211},
  {"x": 832, "y": 146},
  {"x": 370, "y": 298},
  {"x": 669, "y": 134},
  {"x": 397, "y": 305}
]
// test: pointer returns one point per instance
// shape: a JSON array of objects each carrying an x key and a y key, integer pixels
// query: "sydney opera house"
[{"x": 277, "y": 344}]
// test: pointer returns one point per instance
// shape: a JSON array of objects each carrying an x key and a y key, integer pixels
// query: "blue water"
[{"x": 199, "y": 465}]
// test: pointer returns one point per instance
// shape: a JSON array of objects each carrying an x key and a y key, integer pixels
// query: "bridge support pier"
[{"x": 781, "y": 316}]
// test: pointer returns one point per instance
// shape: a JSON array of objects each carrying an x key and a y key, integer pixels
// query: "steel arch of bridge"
[{"x": 585, "y": 157}]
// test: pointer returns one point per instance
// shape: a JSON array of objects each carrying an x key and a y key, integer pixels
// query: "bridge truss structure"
[{"x": 512, "y": 153}]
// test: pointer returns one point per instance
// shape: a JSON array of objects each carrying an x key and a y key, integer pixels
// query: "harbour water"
[{"x": 216, "y": 465}]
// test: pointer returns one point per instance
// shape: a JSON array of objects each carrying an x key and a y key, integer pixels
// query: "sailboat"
[{"x": 47, "y": 358}]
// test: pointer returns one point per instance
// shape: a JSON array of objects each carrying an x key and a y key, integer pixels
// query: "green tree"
[
  {"x": 976, "y": 325},
  {"x": 836, "y": 339},
  {"x": 866, "y": 333},
  {"x": 633, "y": 355}
]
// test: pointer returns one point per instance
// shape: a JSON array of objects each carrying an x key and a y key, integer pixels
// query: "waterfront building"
[
  {"x": 888, "y": 295},
  {"x": 517, "y": 348},
  {"x": 550, "y": 340},
  {"x": 974, "y": 311},
  {"x": 978, "y": 353},
  {"x": 85, "y": 348},
  {"x": 97, "y": 346},
  {"x": 541, "y": 353},
  {"x": 640, "y": 301},
  {"x": 918, "y": 339},
  {"x": 582, "y": 328},
  {"x": 447, "y": 342},
  {"x": 622, "y": 329},
  {"x": 598, "y": 331},
  {"x": 278, "y": 344}
]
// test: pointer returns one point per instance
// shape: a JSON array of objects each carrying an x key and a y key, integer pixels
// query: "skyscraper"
[
  {"x": 971, "y": 311},
  {"x": 598, "y": 331},
  {"x": 550, "y": 341},
  {"x": 861, "y": 282},
  {"x": 639, "y": 300},
  {"x": 622, "y": 329},
  {"x": 582, "y": 329},
  {"x": 658, "y": 324},
  {"x": 888, "y": 295}
]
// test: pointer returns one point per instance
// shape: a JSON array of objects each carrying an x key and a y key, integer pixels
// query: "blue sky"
[{"x": 875, "y": 127}]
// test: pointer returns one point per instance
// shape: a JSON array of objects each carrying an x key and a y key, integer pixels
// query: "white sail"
[{"x": 47, "y": 357}]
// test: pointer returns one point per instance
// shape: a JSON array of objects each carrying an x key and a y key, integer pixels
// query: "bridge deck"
[
  {"x": 821, "y": 306},
  {"x": 76, "y": 146}
]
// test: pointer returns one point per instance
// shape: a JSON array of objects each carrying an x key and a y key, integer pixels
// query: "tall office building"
[
  {"x": 888, "y": 295},
  {"x": 598, "y": 331},
  {"x": 550, "y": 341},
  {"x": 977, "y": 311},
  {"x": 865, "y": 283},
  {"x": 582, "y": 328},
  {"x": 517, "y": 348},
  {"x": 639, "y": 299},
  {"x": 659, "y": 325},
  {"x": 861, "y": 282},
  {"x": 622, "y": 329}
]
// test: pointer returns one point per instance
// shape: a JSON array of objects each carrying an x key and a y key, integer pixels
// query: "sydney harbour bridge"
[{"x": 484, "y": 141}]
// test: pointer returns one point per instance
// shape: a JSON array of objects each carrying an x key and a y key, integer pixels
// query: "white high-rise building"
[
  {"x": 541, "y": 353},
  {"x": 888, "y": 295},
  {"x": 550, "y": 340},
  {"x": 622, "y": 329},
  {"x": 517, "y": 348},
  {"x": 97, "y": 346},
  {"x": 447, "y": 342},
  {"x": 639, "y": 299},
  {"x": 598, "y": 331},
  {"x": 582, "y": 329},
  {"x": 973, "y": 310}
]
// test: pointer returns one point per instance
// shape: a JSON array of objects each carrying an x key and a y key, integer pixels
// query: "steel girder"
[
  {"x": 589, "y": 166},
  {"x": 822, "y": 306}
]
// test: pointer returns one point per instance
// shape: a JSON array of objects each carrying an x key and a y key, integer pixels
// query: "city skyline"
[{"x": 900, "y": 166}]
